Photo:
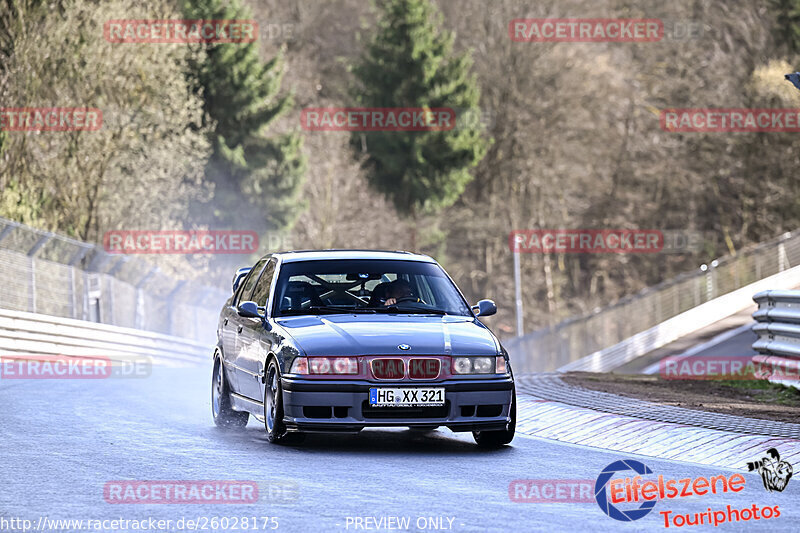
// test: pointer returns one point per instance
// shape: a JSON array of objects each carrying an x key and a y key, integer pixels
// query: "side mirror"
[
  {"x": 248, "y": 310},
  {"x": 485, "y": 308}
]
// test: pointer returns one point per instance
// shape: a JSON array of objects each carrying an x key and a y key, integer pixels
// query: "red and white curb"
[{"x": 577, "y": 425}]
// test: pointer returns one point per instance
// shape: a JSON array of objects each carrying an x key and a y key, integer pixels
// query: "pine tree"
[
  {"x": 253, "y": 174},
  {"x": 787, "y": 13},
  {"x": 410, "y": 63}
]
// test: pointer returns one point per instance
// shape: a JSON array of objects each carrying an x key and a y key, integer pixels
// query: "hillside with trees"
[{"x": 550, "y": 135}]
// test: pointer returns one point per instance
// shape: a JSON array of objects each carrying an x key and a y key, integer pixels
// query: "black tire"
[
  {"x": 224, "y": 415},
  {"x": 496, "y": 439},
  {"x": 273, "y": 409}
]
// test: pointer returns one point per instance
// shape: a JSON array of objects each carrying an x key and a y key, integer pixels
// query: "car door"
[
  {"x": 232, "y": 326},
  {"x": 227, "y": 333},
  {"x": 254, "y": 343}
]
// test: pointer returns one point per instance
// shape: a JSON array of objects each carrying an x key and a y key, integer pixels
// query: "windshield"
[{"x": 366, "y": 286}]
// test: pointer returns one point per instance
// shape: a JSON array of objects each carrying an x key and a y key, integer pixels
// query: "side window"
[
  {"x": 239, "y": 292},
  {"x": 249, "y": 282},
  {"x": 262, "y": 287}
]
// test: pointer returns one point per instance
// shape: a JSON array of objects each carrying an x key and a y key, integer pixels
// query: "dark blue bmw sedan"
[{"x": 340, "y": 340}]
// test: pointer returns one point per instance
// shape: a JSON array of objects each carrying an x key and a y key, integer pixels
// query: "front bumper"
[{"x": 343, "y": 405}]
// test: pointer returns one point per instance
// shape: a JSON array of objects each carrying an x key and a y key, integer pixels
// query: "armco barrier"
[
  {"x": 48, "y": 273},
  {"x": 30, "y": 333},
  {"x": 678, "y": 326},
  {"x": 778, "y": 329},
  {"x": 657, "y": 315}
]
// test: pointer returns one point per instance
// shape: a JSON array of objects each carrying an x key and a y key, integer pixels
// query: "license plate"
[{"x": 416, "y": 397}]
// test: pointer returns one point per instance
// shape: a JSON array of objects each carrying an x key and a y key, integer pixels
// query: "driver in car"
[{"x": 399, "y": 290}]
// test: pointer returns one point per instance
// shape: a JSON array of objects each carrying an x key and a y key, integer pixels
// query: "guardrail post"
[
  {"x": 93, "y": 285},
  {"x": 110, "y": 300},
  {"x": 710, "y": 282},
  {"x": 518, "y": 292},
  {"x": 758, "y": 266},
  {"x": 8, "y": 229},
  {"x": 170, "y": 307},
  {"x": 139, "y": 320},
  {"x": 112, "y": 272},
  {"x": 85, "y": 276},
  {"x": 676, "y": 304},
  {"x": 696, "y": 282},
  {"x": 73, "y": 304},
  {"x": 783, "y": 260},
  {"x": 80, "y": 254},
  {"x": 43, "y": 239},
  {"x": 196, "y": 321},
  {"x": 659, "y": 308},
  {"x": 32, "y": 286},
  {"x": 204, "y": 300}
]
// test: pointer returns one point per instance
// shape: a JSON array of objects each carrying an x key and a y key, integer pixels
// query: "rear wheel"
[
  {"x": 273, "y": 409},
  {"x": 495, "y": 439},
  {"x": 224, "y": 415}
]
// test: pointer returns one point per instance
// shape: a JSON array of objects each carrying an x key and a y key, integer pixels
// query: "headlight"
[
  {"x": 473, "y": 365},
  {"x": 462, "y": 365},
  {"x": 325, "y": 365},
  {"x": 483, "y": 365}
]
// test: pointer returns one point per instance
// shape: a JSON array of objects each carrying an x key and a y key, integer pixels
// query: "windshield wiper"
[
  {"x": 314, "y": 309},
  {"x": 411, "y": 310}
]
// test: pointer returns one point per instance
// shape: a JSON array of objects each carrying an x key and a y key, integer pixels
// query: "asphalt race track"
[{"x": 63, "y": 440}]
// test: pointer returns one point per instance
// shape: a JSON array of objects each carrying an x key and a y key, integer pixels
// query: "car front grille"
[
  {"x": 388, "y": 368},
  {"x": 415, "y": 368},
  {"x": 424, "y": 368}
]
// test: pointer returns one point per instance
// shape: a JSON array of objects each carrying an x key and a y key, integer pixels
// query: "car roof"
[{"x": 321, "y": 255}]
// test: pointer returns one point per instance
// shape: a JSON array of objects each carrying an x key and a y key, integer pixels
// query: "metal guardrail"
[
  {"x": 778, "y": 329},
  {"x": 47, "y": 273},
  {"x": 572, "y": 340},
  {"x": 29, "y": 333},
  {"x": 676, "y": 327}
]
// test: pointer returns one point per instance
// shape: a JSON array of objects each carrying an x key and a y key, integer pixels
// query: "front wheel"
[
  {"x": 273, "y": 409},
  {"x": 224, "y": 415},
  {"x": 495, "y": 439}
]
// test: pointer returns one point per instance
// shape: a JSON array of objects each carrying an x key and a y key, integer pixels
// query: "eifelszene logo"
[
  {"x": 774, "y": 473},
  {"x": 648, "y": 491},
  {"x": 601, "y": 496}
]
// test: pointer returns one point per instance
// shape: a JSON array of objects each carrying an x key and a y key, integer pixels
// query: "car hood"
[{"x": 382, "y": 334}]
